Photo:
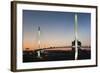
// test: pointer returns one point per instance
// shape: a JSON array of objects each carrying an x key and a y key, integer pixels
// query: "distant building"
[{"x": 27, "y": 48}]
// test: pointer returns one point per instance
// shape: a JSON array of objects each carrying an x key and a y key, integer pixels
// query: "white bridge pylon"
[
  {"x": 38, "y": 52},
  {"x": 76, "y": 37}
]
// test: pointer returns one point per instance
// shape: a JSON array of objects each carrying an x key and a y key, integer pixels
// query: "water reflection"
[{"x": 56, "y": 54}]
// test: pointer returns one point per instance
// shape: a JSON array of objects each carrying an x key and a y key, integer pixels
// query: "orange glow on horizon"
[{"x": 33, "y": 44}]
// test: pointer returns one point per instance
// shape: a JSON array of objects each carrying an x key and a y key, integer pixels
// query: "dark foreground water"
[{"x": 55, "y": 55}]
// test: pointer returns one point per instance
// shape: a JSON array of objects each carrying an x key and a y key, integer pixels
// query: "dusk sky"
[{"x": 57, "y": 28}]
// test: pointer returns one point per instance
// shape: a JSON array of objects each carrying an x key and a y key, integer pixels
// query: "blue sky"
[{"x": 57, "y": 28}]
